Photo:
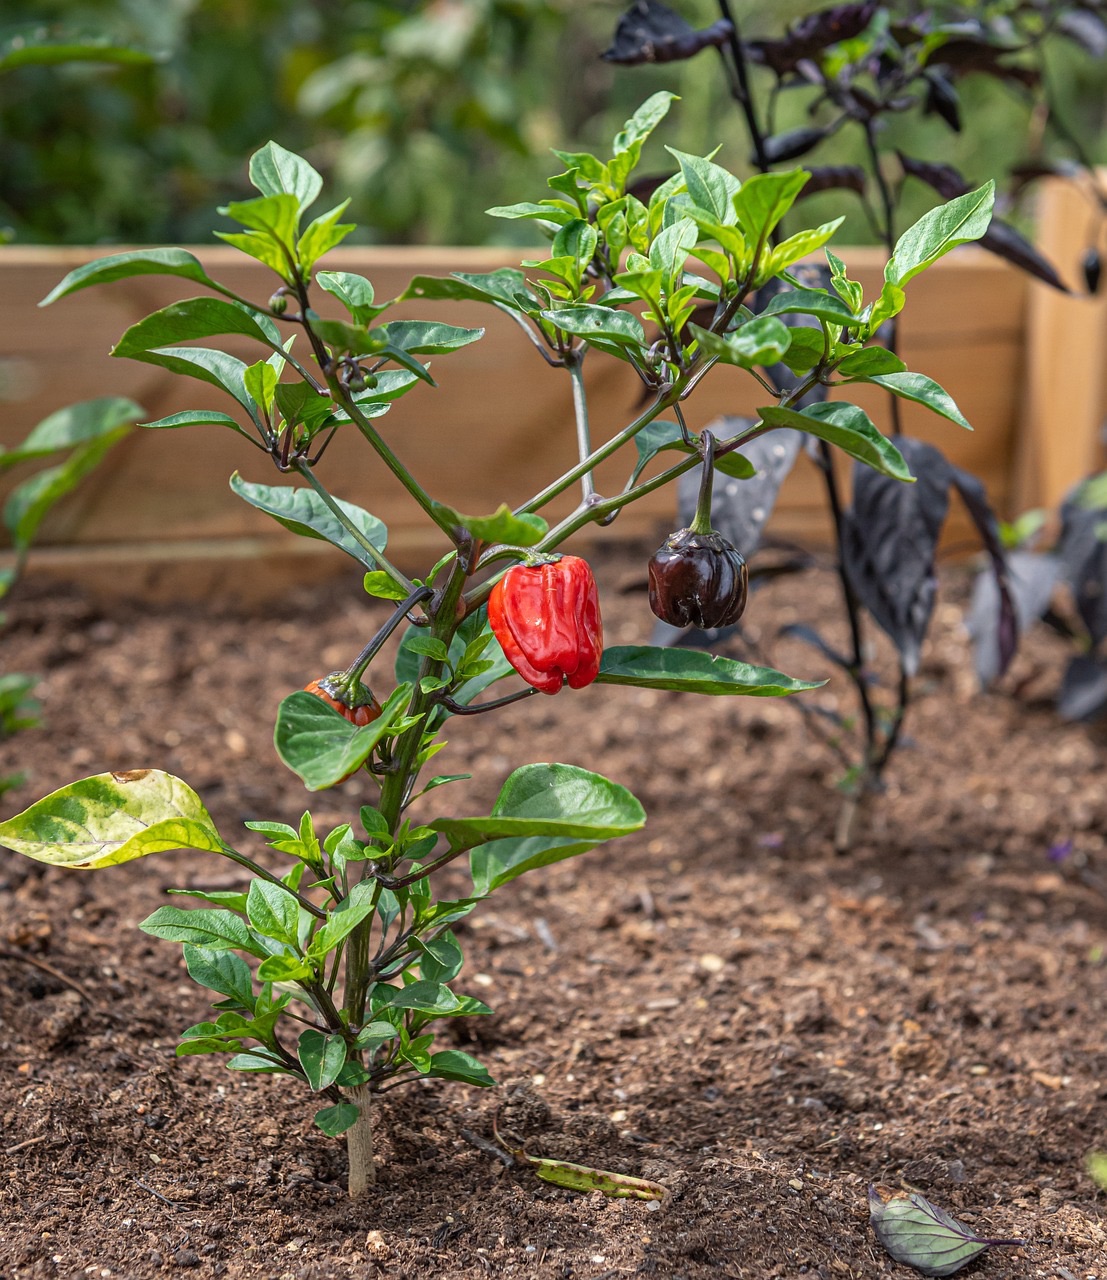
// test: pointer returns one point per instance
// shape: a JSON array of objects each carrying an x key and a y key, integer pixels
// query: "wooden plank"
[
  {"x": 1061, "y": 440},
  {"x": 498, "y": 427}
]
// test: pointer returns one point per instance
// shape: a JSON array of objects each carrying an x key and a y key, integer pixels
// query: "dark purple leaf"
[
  {"x": 1092, "y": 266},
  {"x": 1083, "y": 552},
  {"x": 1001, "y": 238},
  {"x": 811, "y": 35},
  {"x": 793, "y": 143},
  {"x": 942, "y": 100},
  {"x": 944, "y": 178},
  {"x": 1083, "y": 693},
  {"x": 975, "y": 498},
  {"x": 800, "y": 631},
  {"x": 889, "y": 538},
  {"x": 1031, "y": 578},
  {"x": 1032, "y": 170},
  {"x": 831, "y": 177},
  {"x": 965, "y": 54},
  {"x": 1086, "y": 29},
  {"x": 918, "y": 1233},
  {"x": 651, "y": 32}
]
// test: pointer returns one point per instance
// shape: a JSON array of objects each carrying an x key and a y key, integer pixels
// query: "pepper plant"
[{"x": 335, "y": 968}]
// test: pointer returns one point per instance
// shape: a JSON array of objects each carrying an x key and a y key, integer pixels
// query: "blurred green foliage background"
[{"x": 426, "y": 112}]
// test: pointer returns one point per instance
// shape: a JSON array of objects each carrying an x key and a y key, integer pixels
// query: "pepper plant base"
[{"x": 732, "y": 1011}]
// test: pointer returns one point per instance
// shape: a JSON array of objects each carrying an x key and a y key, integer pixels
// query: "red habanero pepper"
[
  {"x": 361, "y": 709},
  {"x": 547, "y": 620}
]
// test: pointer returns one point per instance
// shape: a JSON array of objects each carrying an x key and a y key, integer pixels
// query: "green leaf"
[
  {"x": 869, "y": 362},
  {"x": 644, "y": 121},
  {"x": 284, "y": 968},
  {"x": 323, "y": 747},
  {"x": 889, "y": 304},
  {"x": 502, "y": 286},
  {"x": 809, "y": 302},
  {"x": 710, "y": 186},
  {"x": 651, "y": 440},
  {"x": 342, "y": 921},
  {"x": 426, "y": 337},
  {"x": 588, "y": 321},
  {"x": 354, "y": 292},
  {"x": 304, "y": 512},
  {"x": 337, "y": 1119},
  {"x": 922, "y": 1235},
  {"x": 806, "y": 349},
  {"x": 764, "y": 199},
  {"x": 212, "y": 929},
  {"x": 454, "y": 1064},
  {"x": 258, "y": 1060},
  {"x": 800, "y": 245},
  {"x": 197, "y": 418},
  {"x": 382, "y": 586},
  {"x": 555, "y": 211},
  {"x": 322, "y": 1058},
  {"x": 196, "y": 318},
  {"x": 322, "y": 235},
  {"x": 135, "y": 262},
  {"x": 735, "y": 465},
  {"x": 692, "y": 671},
  {"x": 425, "y": 997},
  {"x": 670, "y": 250},
  {"x": 274, "y": 170},
  {"x": 848, "y": 427},
  {"x": 76, "y": 424},
  {"x": 112, "y": 818},
  {"x": 260, "y": 245},
  {"x": 276, "y": 217},
  {"x": 550, "y": 800},
  {"x": 848, "y": 290},
  {"x": 759, "y": 342},
  {"x": 208, "y": 365},
  {"x": 577, "y": 240},
  {"x": 273, "y": 911},
  {"x": 501, "y": 526},
  {"x": 28, "y": 504},
  {"x": 937, "y": 232},
  {"x": 221, "y": 971},
  {"x": 260, "y": 380},
  {"x": 922, "y": 390}
]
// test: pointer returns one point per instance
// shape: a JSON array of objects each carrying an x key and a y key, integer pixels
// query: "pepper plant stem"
[{"x": 575, "y": 363}]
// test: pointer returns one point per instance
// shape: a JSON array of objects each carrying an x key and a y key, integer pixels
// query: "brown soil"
[{"x": 721, "y": 1003}]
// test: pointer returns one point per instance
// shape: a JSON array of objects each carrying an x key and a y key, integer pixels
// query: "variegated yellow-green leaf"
[{"x": 112, "y": 818}]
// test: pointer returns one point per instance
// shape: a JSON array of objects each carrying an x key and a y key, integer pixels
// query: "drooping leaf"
[
  {"x": 1031, "y": 579},
  {"x": 425, "y": 337},
  {"x": 455, "y": 1064},
  {"x": 889, "y": 542},
  {"x": 650, "y": 32},
  {"x": 1083, "y": 692},
  {"x": 196, "y": 318},
  {"x": 690, "y": 671},
  {"x": 304, "y": 512},
  {"x": 811, "y": 35},
  {"x": 76, "y": 424},
  {"x": 503, "y": 286},
  {"x": 918, "y": 1233},
  {"x": 1082, "y": 550},
  {"x": 112, "y": 818},
  {"x": 134, "y": 262},
  {"x": 975, "y": 498},
  {"x": 846, "y": 426},
  {"x": 337, "y": 1119},
  {"x": 809, "y": 302}
]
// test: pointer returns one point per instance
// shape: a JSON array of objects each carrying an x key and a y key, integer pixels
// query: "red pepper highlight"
[{"x": 547, "y": 620}]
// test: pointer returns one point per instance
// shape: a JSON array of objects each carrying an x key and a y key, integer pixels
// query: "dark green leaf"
[
  {"x": 692, "y": 671},
  {"x": 196, "y": 318},
  {"x": 135, "y": 262},
  {"x": 588, "y": 321},
  {"x": 869, "y": 362},
  {"x": 809, "y": 302},
  {"x": 846, "y": 426},
  {"x": 354, "y": 292},
  {"x": 425, "y": 997},
  {"x": 322, "y": 1058},
  {"x": 502, "y": 286},
  {"x": 304, "y": 512},
  {"x": 454, "y": 1064},
  {"x": 337, "y": 1119},
  {"x": 550, "y": 800},
  {"x": 652, "y": 439},
  {"x": 323, "y": 747},
  {"x": 760, "y": 342},
  {"x": 220, "y": 971},
  {"x": 273, "y": 911},
  {"x": 212, "y": 929},
  {"x": 921, "y": 389},
  {"x": 208, "y": 365},
  {"x": 197, "y": 418},
  {"x": 426, "y": 338},
  {"x": 343, "y": 919}
]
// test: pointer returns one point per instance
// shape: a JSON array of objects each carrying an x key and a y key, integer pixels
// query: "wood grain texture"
[{"x": 498, "y": 427}]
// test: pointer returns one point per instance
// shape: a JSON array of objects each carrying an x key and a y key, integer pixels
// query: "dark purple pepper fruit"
[
  {"x": 698, "y": 580},
  {"x": 1092, "y": 268}
]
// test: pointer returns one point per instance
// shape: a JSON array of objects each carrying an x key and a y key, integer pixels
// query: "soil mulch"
[{"x": 721, "y": 1003}]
